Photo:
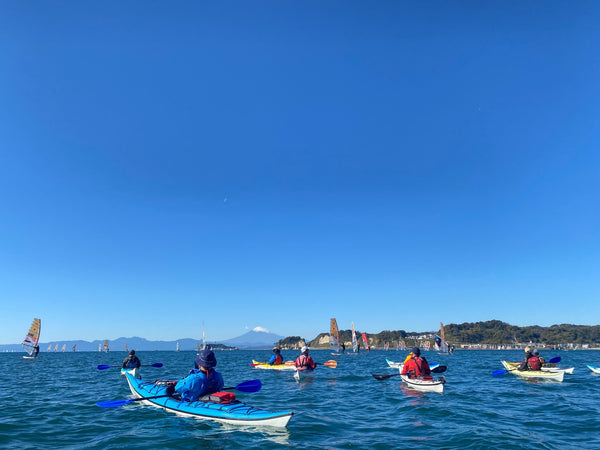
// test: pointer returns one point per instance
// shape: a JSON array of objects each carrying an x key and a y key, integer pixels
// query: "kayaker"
[
  {"x": 202, "y": 381},
  {"x": 416, "y": 366},
  {"x": 132, "y": 361},
  {"x": 276, "y": 358},
  {"x": 530, "y": 362},
  {"x": 541, "y": 358},
  {"x": 304, "y": 361}
]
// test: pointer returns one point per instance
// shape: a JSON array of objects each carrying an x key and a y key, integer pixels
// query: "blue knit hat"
[{"x": 415, "y": 351}]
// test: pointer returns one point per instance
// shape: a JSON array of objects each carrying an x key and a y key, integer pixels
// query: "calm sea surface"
[{"x": 51, "y": 403}]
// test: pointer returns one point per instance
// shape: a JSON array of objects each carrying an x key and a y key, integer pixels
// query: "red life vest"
[
  {"x": 278, "y": 359},
  {"x": 534, "y": 363}
]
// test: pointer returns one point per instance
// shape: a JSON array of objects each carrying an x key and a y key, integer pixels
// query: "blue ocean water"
[{"x": 51, "y": 403}]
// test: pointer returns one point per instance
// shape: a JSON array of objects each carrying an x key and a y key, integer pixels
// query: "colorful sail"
[
  {"x": 366, "y": 341},
  {"x": 354, "y": 341},
  {"x": 33, "y": 336},
  {"x": 105, "y": 347},
  {"x": 49, "y": 347},
  {"x": 56, "y": 348},
  {"x": 334, "y": 336},
  {"x": 64, "y": 347}
]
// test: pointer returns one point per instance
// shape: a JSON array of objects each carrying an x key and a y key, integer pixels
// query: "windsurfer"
[
  {"x": 304, "y": 361},
  {"x": 416, "y": 366},
  {"x": 36, "y": 350},
  {"x": 132, "y": 361},
  {"x": 202, "y": 381},
  {"x": 343, "y": 347}
]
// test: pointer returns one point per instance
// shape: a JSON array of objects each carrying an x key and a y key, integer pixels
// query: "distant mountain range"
[{"x": 259, "y": 338}]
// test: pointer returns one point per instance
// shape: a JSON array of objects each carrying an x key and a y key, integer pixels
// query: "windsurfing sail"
[
  {"x": 105, "y": 348},
  {"x": 354, "y": 341},
  {"x": 64, "y": 347},
  {"x": 125, "y": 347},
  {"x": 99, "y": 347},
  {"x": 75, "y": 347},
  {"x": 334, "y": 336},
  {"x": 366, "y": 341},
  {"x": 440, "y": 341},
  {"x": 33, "y": 337},
  {"x": 49, "y": 347},
  {"x": 177, "y": 347},
  {"x": 56, "y": 348}
]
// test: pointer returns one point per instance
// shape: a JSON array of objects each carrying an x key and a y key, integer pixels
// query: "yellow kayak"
[
  {"x": 555, "y": 376},
  {"x": 289, "y": 365}
]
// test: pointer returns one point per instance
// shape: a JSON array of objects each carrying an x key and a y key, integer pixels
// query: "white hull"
[
  {"x": 300, "y": 375},
  {"x": 594, "y": 369},
  {"x": 423, "y": 385}
]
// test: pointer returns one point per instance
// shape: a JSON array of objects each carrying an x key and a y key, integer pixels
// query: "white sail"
[{"x": 354, "y": 341}]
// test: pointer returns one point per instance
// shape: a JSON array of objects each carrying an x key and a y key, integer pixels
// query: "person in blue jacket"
[
  {"x": 276, "y": 358},
  {"x": 205, "y": 380}
]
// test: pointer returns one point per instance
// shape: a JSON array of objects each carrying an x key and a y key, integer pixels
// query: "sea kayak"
[
  {"x": 301, "y": 375},
  {"x": 568, "y": 370},
  {"x": 594, "y": 369},
  {"x": 234, "y": 413},
  {"x": 554, "y": 376},
  {"x": 267, "y": 366},
  {"x": 424, "y": 384},
  {"x": 135, "y": 372}
]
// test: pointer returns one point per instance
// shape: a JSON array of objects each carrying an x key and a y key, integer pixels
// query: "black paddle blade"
[
  {"x": 439, "y": 369},
  {"x": 385, "y": 377}
]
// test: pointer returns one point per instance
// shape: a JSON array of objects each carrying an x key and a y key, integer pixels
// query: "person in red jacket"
[
  {"x": 416, "y": 366},
  {"x": 304, "y": 361}
]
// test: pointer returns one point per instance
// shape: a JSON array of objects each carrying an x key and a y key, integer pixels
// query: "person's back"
[
  {"x": 132, "y": 361},
  {"x": 203, "y": 381},
  {"x": 305, "y": 361},
  {"x": 416, "y": 366}
]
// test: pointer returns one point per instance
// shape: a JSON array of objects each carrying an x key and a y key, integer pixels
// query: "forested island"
[{"x": 490, "y": 334}]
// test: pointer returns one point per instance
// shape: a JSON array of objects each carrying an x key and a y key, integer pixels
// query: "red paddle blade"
[{"x": 331, "y": 363}]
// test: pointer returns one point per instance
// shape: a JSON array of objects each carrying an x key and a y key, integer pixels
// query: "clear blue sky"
[{"x": 278, "y": 163}]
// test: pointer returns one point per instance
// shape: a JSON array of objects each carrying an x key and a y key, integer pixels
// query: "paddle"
[
  {"x": 438, "y": 369},
  {"x": 104, "y": 366},
  {"x": 554, "y": 360},
  {"x": 246, "y": 386}
]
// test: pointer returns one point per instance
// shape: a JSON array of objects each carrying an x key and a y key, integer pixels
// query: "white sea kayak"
[
  {"x": 301, "y": 375},
  {"x": 594, "y": 369},
  {"x": 427, "y": 384},
  {"x": 554, "y": 376},
  {"x": 568, "y": 370}
]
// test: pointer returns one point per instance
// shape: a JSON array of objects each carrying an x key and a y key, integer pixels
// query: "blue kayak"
[{"x": 235, "y": 413}]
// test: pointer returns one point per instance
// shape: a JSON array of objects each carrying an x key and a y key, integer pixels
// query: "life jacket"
[
  {"x": 534, "y": 363},
  {"x": 278, "y": 359},
  {"x": 416, "y": 367}
]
